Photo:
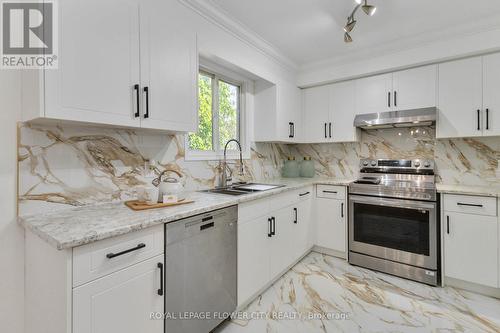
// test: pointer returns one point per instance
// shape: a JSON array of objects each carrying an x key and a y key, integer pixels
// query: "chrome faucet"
[{"x": 224, "y": 178}]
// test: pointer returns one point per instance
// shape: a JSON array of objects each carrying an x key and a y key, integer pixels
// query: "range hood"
[{"x": 391, "y": 119}]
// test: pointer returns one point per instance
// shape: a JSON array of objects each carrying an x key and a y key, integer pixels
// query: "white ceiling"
[{"x": 309, "y": 31}]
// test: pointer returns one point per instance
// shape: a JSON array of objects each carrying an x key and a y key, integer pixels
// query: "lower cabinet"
[
  {"x": 122, "y": 301},
  {"x": 471, "y": 248},
  {"x": 331, "y": 219}
]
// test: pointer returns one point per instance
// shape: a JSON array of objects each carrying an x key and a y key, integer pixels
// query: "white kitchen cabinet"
[
  {"x": 471, "y": 248},
  {"x": 169, "y": 69},
  {"x": 316, "y": 114},
  {"x": 277, "y": 112},
  {"x": 331, "y": 218},
  {"x": 491, "y": 97},
  {"x": 460, "y": 98},
  {"x": 122, "y": 301},
  {"x": 415, "y": 88},
  {"x": 283, "y": 244},
  {"x": 104, "y": 68},
  {"x": 254, "y": 245},
  {"x": 374, "y": 94},
  {"x": 98, "y": 65},
  {"x": 343, "y": 112},
  {"x": 303, "y": 237},
  {"x": 403, "y": 90}
]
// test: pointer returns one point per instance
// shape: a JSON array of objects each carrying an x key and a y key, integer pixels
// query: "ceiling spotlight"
[
  {"x": 369, "y": 9},
  {"x": 347, "y": 38},
  {"x": 351, "y": 22}
]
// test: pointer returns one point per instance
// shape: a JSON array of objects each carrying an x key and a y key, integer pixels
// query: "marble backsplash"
[{"x": 72, "y": 166}]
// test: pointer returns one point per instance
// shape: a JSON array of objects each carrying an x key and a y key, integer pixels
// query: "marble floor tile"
[{"x": 325, "y": 294}]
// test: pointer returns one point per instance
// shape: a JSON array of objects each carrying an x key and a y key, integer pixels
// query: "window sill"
[{"x": 192, "y": 156}]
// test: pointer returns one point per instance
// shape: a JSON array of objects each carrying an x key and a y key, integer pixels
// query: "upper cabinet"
[
  {"x": 277, "y": 112},
  {"x": 328, "y": 113},
  {"x": 409, "y": 89},
  {"x": 139, "y": 71},
  {"x": 468, "y": 97}
]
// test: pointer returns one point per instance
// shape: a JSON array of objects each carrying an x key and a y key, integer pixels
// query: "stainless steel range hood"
[{"x": 390, "y": 119}]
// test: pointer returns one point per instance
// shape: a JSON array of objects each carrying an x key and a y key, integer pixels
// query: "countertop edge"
[{"x": 147, "y": 223}]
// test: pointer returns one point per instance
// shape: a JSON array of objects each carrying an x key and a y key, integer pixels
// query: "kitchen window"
[{"x": 221, "y": 117}]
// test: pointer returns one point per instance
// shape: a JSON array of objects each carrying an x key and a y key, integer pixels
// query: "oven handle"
[{"x": 400, "y": 203}]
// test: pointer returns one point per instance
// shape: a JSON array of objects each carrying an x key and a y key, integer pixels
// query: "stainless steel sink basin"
[{"x": 245, "y": 188}]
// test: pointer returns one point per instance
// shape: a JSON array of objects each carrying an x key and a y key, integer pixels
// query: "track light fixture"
[{"x": 351, "y": 21}]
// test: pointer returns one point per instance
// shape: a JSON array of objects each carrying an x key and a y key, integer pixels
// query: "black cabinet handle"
[
  {"x": 395, "y": 98},
  {"x": 478, "y": 120},
  {"x": 469, "y": 205},
  {"x": 270, "y": 227},
  {"x": 302, "y": 194},
  {"x": 146, "y": 115},
  {"x": 113, "y": 255},
  {"x": 342, "y": 210},
  {"x": 137, "y": 101},
  {"x": 296, "y": 216},
  {"x": 331, "y": 192},
  {"x": 293, "y": 130},
  {"x": 389, "y": 99},
  {"x": 325, "y": 131},
  {"x": 290, "y": 130},
  {"x": 160, "y": 291},
  {"x": 488, "y": 119},
  {"x": 273, "y": 223},
  {"x": 330, "y": 129},
  {"x": 448, "y": 225}
]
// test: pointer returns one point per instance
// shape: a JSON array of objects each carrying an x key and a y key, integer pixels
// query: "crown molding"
[{"x": 212, "y": 12}]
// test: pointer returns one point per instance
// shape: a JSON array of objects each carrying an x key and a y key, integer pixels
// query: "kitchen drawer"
[
  {"x": 331, "y": 192},
  {"x": 91, "y": 261},
  {"x": 304, "y": 193},
  {"x": 470, "y": 204}
]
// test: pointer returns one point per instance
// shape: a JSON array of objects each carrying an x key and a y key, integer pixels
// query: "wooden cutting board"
[{"x": 142, "y": 205}]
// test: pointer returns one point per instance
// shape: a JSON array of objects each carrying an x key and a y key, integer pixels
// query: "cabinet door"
[
  {"x": 289, "y": 113},
  {"x": 374, "y": 94},
  {"x": 471, "y": 248},
  {"x": 302, "y": 228},
  {"x": 315, "y": 115},
  {"x": 415, "y": 88},
  {"x": 343, "y": 111},
  {"x": 460, "y": 98},
  {"x": 331, "y": 224},
  {"x": 98, "y": 63},
  {"x": 120, "y": 302},
  {"x": 282, "y": 246},
  {"x": 169, "y": 68},
  {"x": 253, "y": 257},
  {"x": 491, "y": 97}
]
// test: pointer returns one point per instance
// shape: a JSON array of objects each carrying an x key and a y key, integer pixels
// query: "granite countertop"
[
  {"x": 73, "y": 227},
  {"x": 486, "y": 191}
]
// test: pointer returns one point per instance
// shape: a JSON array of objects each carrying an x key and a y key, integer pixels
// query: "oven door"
[{"x": 403, "y": 231}]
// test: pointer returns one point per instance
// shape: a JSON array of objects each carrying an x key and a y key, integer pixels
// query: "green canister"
[
  {"x": 291, "y": 168},
  {"x": 307, "y": 168}
]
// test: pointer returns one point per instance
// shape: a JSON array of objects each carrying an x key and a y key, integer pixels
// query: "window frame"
[{"x": 218, "y": 74}]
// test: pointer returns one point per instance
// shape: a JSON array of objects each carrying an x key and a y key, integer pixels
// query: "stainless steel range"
[{"x": 393, "y": 219}]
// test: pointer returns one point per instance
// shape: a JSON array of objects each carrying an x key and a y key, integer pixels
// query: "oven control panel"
[{"x": 417, "y": 164}]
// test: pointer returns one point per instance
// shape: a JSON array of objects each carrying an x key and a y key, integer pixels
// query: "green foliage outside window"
[{"x": 227, "y": 115}]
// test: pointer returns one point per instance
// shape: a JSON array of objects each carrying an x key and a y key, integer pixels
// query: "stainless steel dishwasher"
[{"x": 200, "y": 266}]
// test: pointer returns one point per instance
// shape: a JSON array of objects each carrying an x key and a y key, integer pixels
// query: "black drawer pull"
[
  {"x": 160, "y": 291},
  {"x": 342, "y": 210},
  {"x": 273, "y": 231},
  {"x": 302, "y": 194},
  {"x": 146, "y": 90},
  {"x": 448, "y": 225},
  {"x": 137, "y": 101},
  {"x": 469, "y": 205},
  {"x": 270, "y": 228},
  {"x": 206, "y": 226},
  {"x": 331, "y": 192},
  {"x": 138, "y": 247},
  {"x": 296, "y": 216}
]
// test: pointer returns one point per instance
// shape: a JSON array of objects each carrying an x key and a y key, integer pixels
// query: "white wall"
[
  {"x": 11, "y": 235},
  {"x": 333, "y": 70}
]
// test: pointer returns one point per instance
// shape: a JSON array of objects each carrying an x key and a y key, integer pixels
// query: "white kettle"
[{"x": 171, "y": 189}]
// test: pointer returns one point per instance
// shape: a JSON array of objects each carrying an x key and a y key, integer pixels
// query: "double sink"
[{"x": 243, "y": 188}]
